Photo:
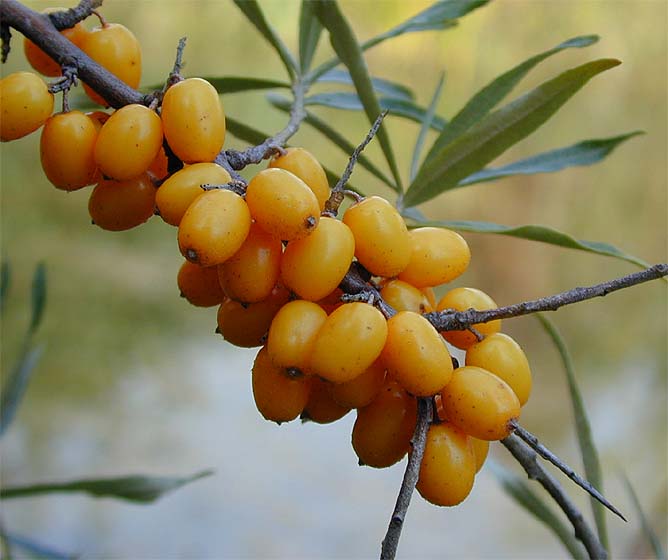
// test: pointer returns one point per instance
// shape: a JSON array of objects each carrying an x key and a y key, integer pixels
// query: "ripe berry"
[
  {"x": 480, "y": 451},
  {"x": 200, "y": 285},
  {"x": 66, "y": 150},
  {"x": 159, "y": 167},
  {"x": 404, "y": 297},
  {"x": 279, "y": 396},
  {"x": 282, "y": 204},
  {"x": 25, "y": 102},
  {"x": 314, "y": 266},
  {"x": 321, "y": 407},
  {"x": 348, "y": 343},
  {"x": 194, "y": 120},
  {"x": 303, "y": 164},
  {"x": 502, "y": 356},
  {"x": 116, "y": 48},
  {"x": 121, "y": 205},
  {"x": 128, "y": 142},
  {"x": 382, "y": 242},
  {"x": 214, "y": 227},
  {"x": 462, "y": 299},
  {"x": 293, "y": 332},
  {"x": 360, "y": 391},
  {"x": 480, "y": 404},
  {"x": 438, "y": 256},
  {"x": 448, "y": 467},
  {"x": 415, "y": 354},
  {"x": 383, "y": 429}
]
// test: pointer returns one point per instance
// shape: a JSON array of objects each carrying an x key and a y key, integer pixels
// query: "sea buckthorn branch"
[
  {"x": 357, "y": 281},
  {"x": 418, "y": 441},
  {"x": 64, "y": 19},
  {"x": 40, "y": 29},
  {"x": 528, "y": 458},
  {"x": 460, "y": 320}
]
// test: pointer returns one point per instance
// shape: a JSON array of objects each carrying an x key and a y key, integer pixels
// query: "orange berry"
[
  {"x": 178, "y": 192},
  {"x": 314, "y": 266},
  {"x": 480, "y": 451},
  {"x": 121, "y": 205},
  {"x": 98, "y": 118},
  {"x": 438, "y": 256},
  {"x": 128, "y": 142},
  {"x": 383, "y": 429},
  {"x": 321, "y": 407},
  {"x": 66, "y": 150},
  {"x": 279, "y": 395},
  {"x": 214, "y": 227},
  {"x": 194, "y": 120},
  {"x": 382, "y": 242},
  {"x": 25, "y": 102},
  {"x": 360, "y": 391},
  {"x": 480, "y": 404},
  {"x": 159, "y": 167},
  {"x": 200, "y": 285},
  {"x": 462, "y": 299},
  {"x": 448, "y": 467},
  {"x": 282, "y": 204},
  {"x": 303, "y": 164},
  {"x": 116, "y": 48},
  {"x": 404, "y": 297}
]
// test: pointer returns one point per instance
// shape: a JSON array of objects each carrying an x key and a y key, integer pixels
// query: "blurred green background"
[{"x": 134, "y": 379}]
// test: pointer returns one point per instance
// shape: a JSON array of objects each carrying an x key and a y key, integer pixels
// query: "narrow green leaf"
[
  {"x": 499, "y": 131},
  {"x": 35, "y": 549},
  {"x": 426, "y": 125},
  {"x": 5, "y": 282},
  {"x": 16, "y": 385},
  {"x": 649, "y": 532},
  {"x": 38, "y": 296},
  {"x": 136, "y": 488},
  {"x": 397, "y": 107},
  {"x": 587, "y": 152},
  {"x": 322, "y": 127},
  {"x": 309, "y": 35},
  {"x": 520, "y": 491},
  {"x": 588, "y": 450},
  {"x": 348, "y": 50},
  {"x": 234, "y": 84},
  {"x": 539, "y": 233},
  {"x": 383, "y": 87},
  {"x": 251, "y": 9},
  {"x": 486, "y": 99}
]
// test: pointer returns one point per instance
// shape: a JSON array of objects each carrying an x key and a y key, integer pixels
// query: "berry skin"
[
  {"x": 121, "y": 205},
  {"x": 321, "y": 408},
  {"x": 363, "y": 389},
  {"x": 279, "y": 396},
  {"x": 462, "y": 299},
  {"x": 303, "y": 164},
  {"x": 415, "y": 354},
  {"x": 200, "y": 285},
  {"x": 159, "y": 167},
  {"x": 66, "y": 150},
  {"x": 404, "y": 297},
  {"x": 383, "y": 429},
  {"x": 314, "y": 266},
  {"x": 448, "y": 467},
  {"x": 502, "y": 356},
  {"x": 480, "y": 451},
  {"x": 116, "y": 48},
  {"x": 293, "y": 332},
  {"x": 480, "y": 404},
  {"x": 128, "y": 142},
  {"x": 214, "y": 227},
  {"x": 247, "y": 325},
  {"x": 282, "y": 204},
  {"x": 194, "y": 120},
  {"x": 183, "y": 187},
  {"x": 382, "y": 242},
  {"x": 348, "y": 343},
  {"x": 438, "y": 256},
  {"x": 25, "y": 104}
]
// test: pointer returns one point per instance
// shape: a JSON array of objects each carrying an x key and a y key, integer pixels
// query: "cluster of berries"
[{"x": 273, "y": 258}]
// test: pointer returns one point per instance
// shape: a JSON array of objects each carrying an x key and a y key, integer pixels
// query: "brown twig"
[
  {"x": 528, "y": 458},
  {"x": 418, "y": 441},
  {"x": 64, "y": 19},
  {"x": 6, "y": 37},
  {"x": 461, "y": 320}
]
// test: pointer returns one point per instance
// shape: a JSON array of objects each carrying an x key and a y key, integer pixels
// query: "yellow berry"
[
  {"x": 461, "y": 299},
  {"x": 360, "y": 391},
  {"x": 303, "y": 164},
  {"x": 121, "y": 205},
  {"x": 480, "y": 451},
  {"x": 200, "y": 285},
  {"x": 25, "y": 102},
  {"x": 404, "y": 297}
]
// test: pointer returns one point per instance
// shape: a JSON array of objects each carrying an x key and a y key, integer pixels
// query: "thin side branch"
[
  {"x": 69, "y": 18},
  {"x": 391, "y": 540},
  {"x": 528, "y": 458},
  {"x": 532, "y": 441},
  {"x": 461, "y": 320}
]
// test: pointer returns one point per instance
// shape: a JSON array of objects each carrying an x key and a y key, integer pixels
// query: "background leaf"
[
  {"x": 426, "y": 125},
  {"x": 487, "y": 98},
  {"x": 138, "y": 488},
  {"x": 651, "y": 536},
  {"x": 498, "y": 131},
  {"x": 586, "y": 443},
  {"x": 5, "y": 282},
  {"x": 587, "y": 152},
  {"x": 234, "y": 84},
  {"x": 309, "y": 35},
  {"x": 384, "y": 87},
  {"x": 16, "y": 384},
  {"x": 35, "y": 549},
  {"x": 38, "y": 299}
]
